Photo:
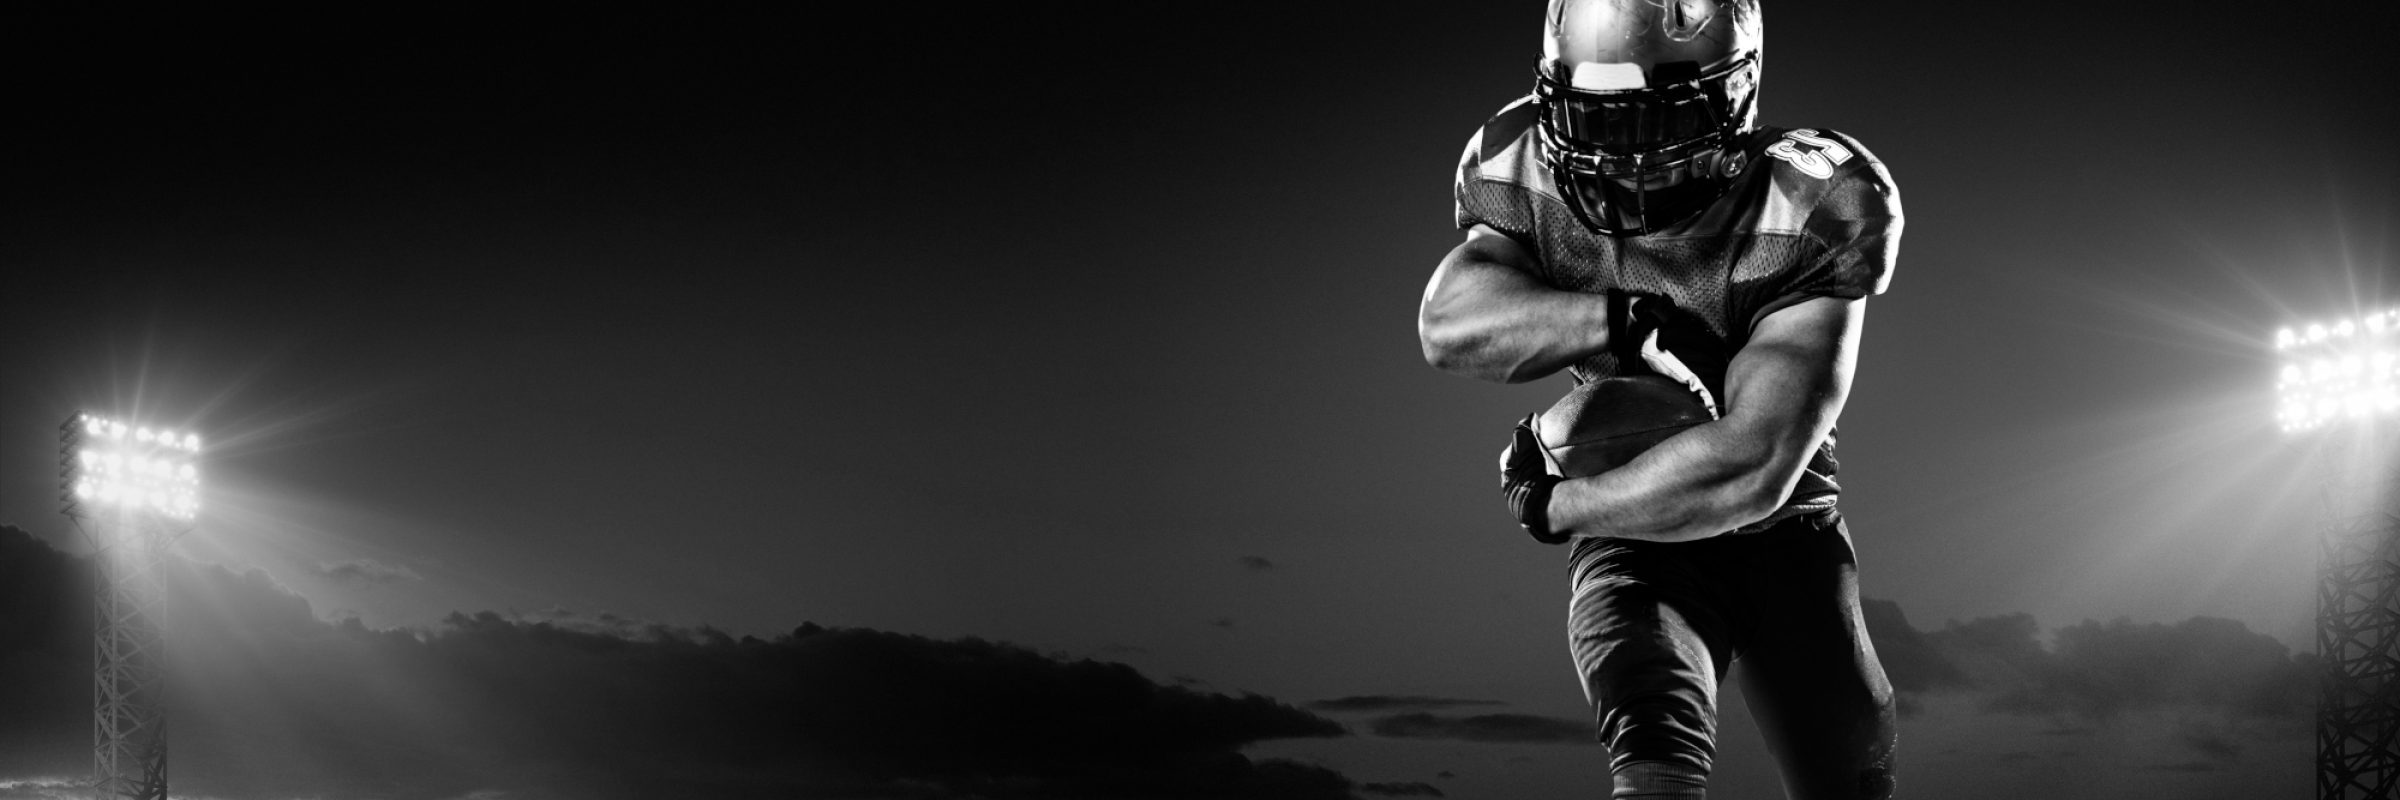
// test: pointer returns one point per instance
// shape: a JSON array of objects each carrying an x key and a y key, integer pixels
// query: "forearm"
[
  {"x": 1513, "y": 335},
  {"x": 1784, "y": 391},
  {"x": 1486, "y": 317},
  {"x": 1700, "y": 483},
  {"x": 1784, "y": 395}
]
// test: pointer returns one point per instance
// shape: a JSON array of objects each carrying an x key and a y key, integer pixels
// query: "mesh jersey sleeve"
[
  {"x": 1497, "y": 200},
  {"x": 1857, "y": 220}
]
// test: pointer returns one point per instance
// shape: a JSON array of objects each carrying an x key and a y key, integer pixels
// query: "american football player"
[{"x": 1634, "y": 194}]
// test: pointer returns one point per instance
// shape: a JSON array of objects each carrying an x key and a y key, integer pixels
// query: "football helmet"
[{"x": 1643, "y": 104}]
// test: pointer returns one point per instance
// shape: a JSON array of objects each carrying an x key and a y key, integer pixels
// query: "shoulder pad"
[
  {"x": 1502, "y": 162},
  {"x": 1506, "y": 149},
  {"x": 1817, "y": 153},
  {"x": 1848, "y": 203},
  {"x": 1818, "y": 173},
  {"x": 1511, "y": 128}
]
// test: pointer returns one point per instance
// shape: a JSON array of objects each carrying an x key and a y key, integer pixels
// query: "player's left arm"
[{"x": 1784, "y": 390}]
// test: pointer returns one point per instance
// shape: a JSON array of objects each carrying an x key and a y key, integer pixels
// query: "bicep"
[
  {"x": 1488, "y": 260},
  {"x": 1488, "y": 313},
  {"x": 1788, "y": 383}
]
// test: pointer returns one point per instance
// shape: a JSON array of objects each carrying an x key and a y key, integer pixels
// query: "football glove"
[
  {"x": 1525, "y": 483},
  {"x": 1637, "y": 324},
  {"x": 1666, "y": 364}
]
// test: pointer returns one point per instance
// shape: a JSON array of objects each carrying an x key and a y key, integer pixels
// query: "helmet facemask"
[{"x": 1634, "y": 161}]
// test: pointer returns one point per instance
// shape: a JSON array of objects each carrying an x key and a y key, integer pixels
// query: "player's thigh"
[
  {"x": 1811, "y": 678},
  {"x": 1645, "y": 658}
]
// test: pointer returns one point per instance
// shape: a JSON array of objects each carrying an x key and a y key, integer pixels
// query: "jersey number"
[{"x": 1809, "y": 153}]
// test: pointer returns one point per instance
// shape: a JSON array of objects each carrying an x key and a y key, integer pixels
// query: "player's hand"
[{"x": 1525, "y": 482}]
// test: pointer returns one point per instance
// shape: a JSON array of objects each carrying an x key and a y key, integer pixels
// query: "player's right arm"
[{"x": 1485, "y": 314}]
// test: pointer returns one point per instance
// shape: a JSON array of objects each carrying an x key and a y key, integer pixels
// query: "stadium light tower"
[
  {"x": 130, "y": 489},
  {"x": 2339, "y": 382}
]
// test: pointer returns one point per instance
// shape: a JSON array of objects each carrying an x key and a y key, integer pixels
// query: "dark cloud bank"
[
  {"x": 2093, "y": 671},
  {"x": 282, "y": 704},
  {"x": 367, "y": 571},
  {"x": 1392, "y": 702},
  {"x": 2231, "y": 678},
  {"x": 1520, "y": 728},
  {"x": 277, "y": 704}
]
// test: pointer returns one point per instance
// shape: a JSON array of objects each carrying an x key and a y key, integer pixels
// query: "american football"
[{"x": 1604, "y": 423}]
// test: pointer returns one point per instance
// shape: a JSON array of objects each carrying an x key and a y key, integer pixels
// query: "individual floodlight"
[
  {"x": 108, "y": 462},
  {"x": 2344, "y": 370}
]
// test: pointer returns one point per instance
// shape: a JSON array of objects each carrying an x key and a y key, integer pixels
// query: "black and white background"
[{"x": 1023, "y": 400}]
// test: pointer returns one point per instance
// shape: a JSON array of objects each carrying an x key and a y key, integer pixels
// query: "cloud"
[
  {"x": 43, "y": 789},
  {"x": 2213, "y": 744},
  {"x": 1909, "y": 661},
  {"x": 1257, "y": 563},
  {"x": 45, "y": 662},
  {"x": 2096, "y": 670},
  {"x": 2202, "y": 661},
  {"x": 544, "y": 706},
  {"x": 2220, "y": 678},
  {"x": 367, "y": 572},
  {"x": 1390, "y": 702},
  {"x": 605, "y": 623},
  {"x": 1520, "y": 728},
  {"x": 2178, "y": 701},
  {"x": 2201, "y": 707}
]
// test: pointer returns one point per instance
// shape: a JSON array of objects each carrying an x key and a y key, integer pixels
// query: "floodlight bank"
[
  {"x": 135, "y": 467},
  {"x": 2339, "y": 371}
]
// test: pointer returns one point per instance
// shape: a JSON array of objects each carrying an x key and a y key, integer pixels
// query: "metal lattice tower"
[
  {"x": 129, "y": 742},
  {"x": 114, "y": 502},
  {"x": 2358, "y": 620}
]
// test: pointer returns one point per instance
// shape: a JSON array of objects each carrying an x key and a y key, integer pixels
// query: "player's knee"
[
  {"x": 1876, "y": 783},
  {"x": 1658, "y": 729},
  {"x": 1864, "y": 772},
  {"x": 1877, "y": 780}
]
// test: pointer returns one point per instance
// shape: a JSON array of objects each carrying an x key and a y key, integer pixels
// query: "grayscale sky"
[{"x": 1090, "y": 328}]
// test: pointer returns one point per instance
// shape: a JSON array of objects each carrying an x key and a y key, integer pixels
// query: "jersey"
[{"x": 1812, "y": 214}]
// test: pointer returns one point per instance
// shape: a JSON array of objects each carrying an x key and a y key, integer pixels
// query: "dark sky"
[{"x": 1090, "y": 327}]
